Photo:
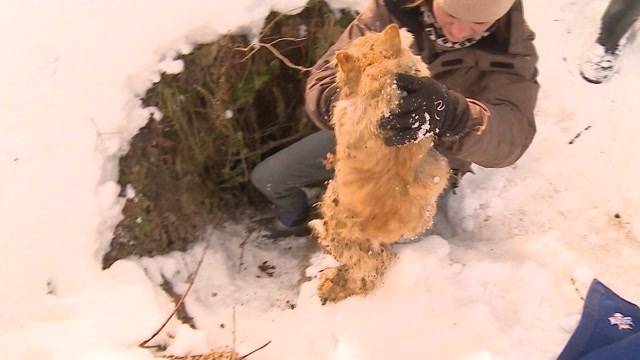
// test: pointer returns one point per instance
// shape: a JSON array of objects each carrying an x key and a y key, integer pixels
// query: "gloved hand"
[{"x": 428, "y": 107}]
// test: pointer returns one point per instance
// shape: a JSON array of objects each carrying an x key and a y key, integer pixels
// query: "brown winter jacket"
[{"x": 499, "y": 71}]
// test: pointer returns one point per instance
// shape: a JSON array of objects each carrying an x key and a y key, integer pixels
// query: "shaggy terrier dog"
[{"x": 379, "y": 194}]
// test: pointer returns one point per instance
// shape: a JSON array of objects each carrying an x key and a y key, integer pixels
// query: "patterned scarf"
[{"x": 434, "y": 32}]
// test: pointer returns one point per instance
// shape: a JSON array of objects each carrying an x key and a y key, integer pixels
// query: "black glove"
[{"x": 427, "y": 108}]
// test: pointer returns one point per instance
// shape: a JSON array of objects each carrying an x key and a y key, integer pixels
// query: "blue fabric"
[{"x": 596, "y": 337}]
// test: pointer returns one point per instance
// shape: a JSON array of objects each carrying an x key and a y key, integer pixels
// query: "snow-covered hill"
[{"x": 503, "y": 282}]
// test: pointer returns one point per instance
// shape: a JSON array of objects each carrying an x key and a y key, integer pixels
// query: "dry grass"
[
  {"x": 221, "y": 116},
  {"x": 223, "y": 355}
]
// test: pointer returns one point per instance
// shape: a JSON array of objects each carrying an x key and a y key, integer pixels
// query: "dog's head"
[{"x": 368, "y": 65}]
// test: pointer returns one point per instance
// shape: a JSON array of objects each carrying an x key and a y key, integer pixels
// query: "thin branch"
[
  {"x": 242, "y": 245},
  {"x": 257, "y": 45},
  {"x": 575, "y": 287},
  {"x": 233, "y": 332},
  {"x": 287, "y": 39},
  {"x": 100, "y": 143},
  {"x": 256, "y": 350},
  {"x": 182, "y": 313},
  {"x": 240, "y": 263},
  {"x": 102, "y": 133},
  {"x": 578, "y": 135},
  {"x": 255, "y": 48},
  {"x": 191, "y": 281}
]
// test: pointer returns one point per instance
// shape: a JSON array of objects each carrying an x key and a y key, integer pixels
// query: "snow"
[{"x": 502, "y": 280}]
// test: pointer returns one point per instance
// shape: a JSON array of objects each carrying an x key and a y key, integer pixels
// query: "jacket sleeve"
[
  {"x": 508, "y": 87},
  {"x": 510, "y": 99},
  {"x": 321, "y": 84}
]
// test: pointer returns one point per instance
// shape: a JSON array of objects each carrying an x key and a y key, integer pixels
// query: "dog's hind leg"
[
  {"x": 362, "y": 267},
  {"x": 362, "y": 263}
]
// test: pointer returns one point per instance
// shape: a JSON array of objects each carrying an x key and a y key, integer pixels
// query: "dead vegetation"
[
  {"x": 218, "y": 355},
  {"x": 224, "y": 113}
]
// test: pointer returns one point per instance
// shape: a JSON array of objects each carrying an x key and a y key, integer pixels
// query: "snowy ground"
[{"x": 505, "y": 283}]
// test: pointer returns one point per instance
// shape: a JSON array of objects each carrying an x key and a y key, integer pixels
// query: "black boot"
[
  {"x": 287, "y": 223},
  {"x": 275, "y": 229}
]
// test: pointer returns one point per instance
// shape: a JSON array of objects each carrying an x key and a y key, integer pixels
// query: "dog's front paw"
[
  {"x": 334, "y": 284},
  {"x": 318, "y": 231}
]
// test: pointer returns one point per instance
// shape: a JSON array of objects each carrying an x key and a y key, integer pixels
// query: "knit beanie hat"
[{"x": 476, "y": 10}]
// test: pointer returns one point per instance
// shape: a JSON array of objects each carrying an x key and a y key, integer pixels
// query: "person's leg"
[
  {"x": 281, "y": 176},
  {"x": 616, "y": 22},
  {"x": 600, "y": 62}
]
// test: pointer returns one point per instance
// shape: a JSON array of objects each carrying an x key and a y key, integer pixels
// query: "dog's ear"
[
  {"x": 349, "y": 70},
  {"x": 390, "y": 40},
  {"x": 347, "y": 62}
]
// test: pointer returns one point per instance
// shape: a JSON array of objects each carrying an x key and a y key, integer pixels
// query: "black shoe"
[
  {"x": 278, "y": 230},
  {"x": 273, "y": 228}
]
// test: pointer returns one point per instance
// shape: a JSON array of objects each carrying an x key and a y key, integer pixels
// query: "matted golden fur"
[{"x": 379, "y": 194}]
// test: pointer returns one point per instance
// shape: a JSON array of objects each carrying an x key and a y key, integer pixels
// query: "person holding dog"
[{"x": 478, "y": 102}]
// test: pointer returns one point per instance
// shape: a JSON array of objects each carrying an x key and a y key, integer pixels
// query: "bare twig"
[
  {"x": 233, "y": 333},
  {"x": 257, "y": 45},
  {"x": 575, "y": 287},
  {"x": 240, "y": 263},
  {"x": 102, "y": 133},
  {"x": 191, "y": 281},
  {"x": 242, "y": 244},
  {"x": 100, "y": 143},
  {"x": 182, "y": 313},
  {"x": 287, "y": 39},
  {"x": 578, "y": 135},
  {"x": 256, "y": 350}
]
